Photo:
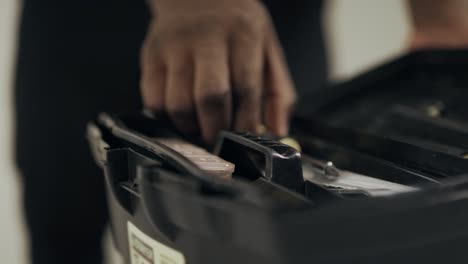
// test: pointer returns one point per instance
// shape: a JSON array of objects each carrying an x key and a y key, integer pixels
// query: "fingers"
[
  {"x": 153, "y": 81},
  {"x": 212, "y": 89},
  {"x": 247, "y": 59},
  {"x": 179, "y": 90},
  {"x": 279, "y": 90},
  {"x": 192, "y": 81}
]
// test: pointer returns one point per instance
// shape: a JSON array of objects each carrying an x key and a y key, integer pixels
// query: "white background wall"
[
  {"x": 12, "y": 242},
  {"x": 361, "y": 34}
]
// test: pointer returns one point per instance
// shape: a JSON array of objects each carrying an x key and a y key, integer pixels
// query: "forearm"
[{"x": 440, "y": 23}]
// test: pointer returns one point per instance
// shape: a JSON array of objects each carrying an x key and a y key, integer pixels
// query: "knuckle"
[
  {"x": 208, "y": 24},
  {"x": 170, "y": 39},
  {"x": 247, "y": 90},
  {"x": 201, "y": 35},
  {"x": 180, "y": 111},
  {"x": 250, "y": 20},
  {"x": 194, "y": 29},
  {"x": 208, "y": 48},
  {"x": 151, "y": 63},
  {"x": 213, "y": 83},
  {"x": 154, "y": 40},
  {"x": 246, "y": 24},
  {"x": 213, "y": 99}
]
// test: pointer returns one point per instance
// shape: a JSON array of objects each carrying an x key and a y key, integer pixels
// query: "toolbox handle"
[{"x": 282, "y": 163}]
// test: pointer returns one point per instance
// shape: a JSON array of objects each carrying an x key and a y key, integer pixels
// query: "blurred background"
[{"x": 360, "y": 35}]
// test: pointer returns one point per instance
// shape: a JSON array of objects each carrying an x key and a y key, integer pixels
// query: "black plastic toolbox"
[{"x": 402, "y": 123}]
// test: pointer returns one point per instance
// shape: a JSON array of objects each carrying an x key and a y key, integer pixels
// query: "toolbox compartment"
[{"x": 166, "y": 210}]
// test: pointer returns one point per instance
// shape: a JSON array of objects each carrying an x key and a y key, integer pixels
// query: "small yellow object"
[
  {"x": 465, "y": 156},
  {"x": 261, "y": 130},
  {"x": 291, "y": 142},
  {"x": 435, "y": 110}
]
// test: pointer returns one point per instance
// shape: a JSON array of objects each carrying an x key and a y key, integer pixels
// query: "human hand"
[{"x": 214, "y": 64}]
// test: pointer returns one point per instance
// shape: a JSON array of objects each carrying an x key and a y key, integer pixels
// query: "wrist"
[
  {"x": 438, "y": 40},
  {"x": 178, "y": 7},
  {"x": 439, "y": 24},
  {"x": 442, "y": 35}
]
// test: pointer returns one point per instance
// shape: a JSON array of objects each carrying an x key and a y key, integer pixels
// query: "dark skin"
[
  {"x": 218, "y": 64},
  {"x": 439, "y": 24}
]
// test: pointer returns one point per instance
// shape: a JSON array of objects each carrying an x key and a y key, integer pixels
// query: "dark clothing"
[
  {"x": 299, "y": 27},
  {"x": 73, "y": 62},
  {"x": 75, "y": 59}
]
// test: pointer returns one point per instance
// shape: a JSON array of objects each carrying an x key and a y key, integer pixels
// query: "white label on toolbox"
[{"x": 145, "y": 250}]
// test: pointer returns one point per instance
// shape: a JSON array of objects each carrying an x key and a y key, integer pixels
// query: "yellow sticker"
[{"x": 145, "y": 250}]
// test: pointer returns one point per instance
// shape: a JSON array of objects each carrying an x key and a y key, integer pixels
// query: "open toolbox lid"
[
  {"x": 419, "y": 98},
  {"x": 276, "y": 216}
]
